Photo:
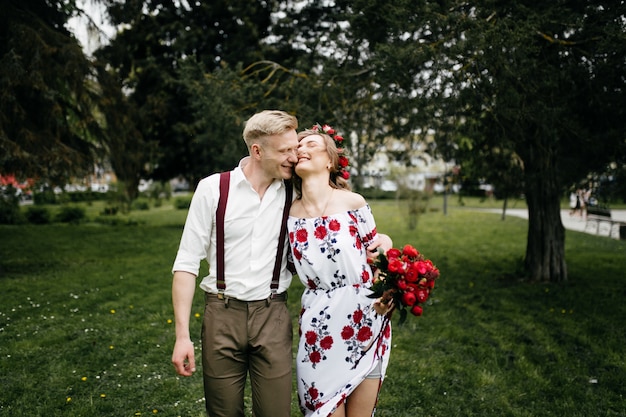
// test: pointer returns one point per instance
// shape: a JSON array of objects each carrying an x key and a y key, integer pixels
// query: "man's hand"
[{"x": 183, "y": 357}]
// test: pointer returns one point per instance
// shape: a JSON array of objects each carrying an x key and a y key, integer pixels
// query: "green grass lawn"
[{"x": 86, "y": 322}]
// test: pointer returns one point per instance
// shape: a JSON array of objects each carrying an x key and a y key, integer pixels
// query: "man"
[{"x": 246, "y": 326}]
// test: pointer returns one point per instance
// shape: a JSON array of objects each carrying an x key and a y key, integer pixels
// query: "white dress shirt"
[{"x": 251, "y": 231}]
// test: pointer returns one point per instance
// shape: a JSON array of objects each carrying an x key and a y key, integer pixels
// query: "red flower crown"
[{"x": 342, "y": 169}]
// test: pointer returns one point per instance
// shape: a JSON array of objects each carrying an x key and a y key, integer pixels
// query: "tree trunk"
[{"x": 545, "y": 248}]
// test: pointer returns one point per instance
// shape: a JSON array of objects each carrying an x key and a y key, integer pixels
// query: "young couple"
[{"x": 237, "y": 221}]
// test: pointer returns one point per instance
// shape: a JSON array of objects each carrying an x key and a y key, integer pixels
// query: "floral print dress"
[{"x": 342, "y": 338}]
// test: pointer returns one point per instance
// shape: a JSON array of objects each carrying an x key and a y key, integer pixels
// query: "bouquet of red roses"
[{"x": 405, "y": 277}]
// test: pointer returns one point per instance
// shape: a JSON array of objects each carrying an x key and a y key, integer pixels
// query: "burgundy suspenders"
[{"x": 219, "y": 224}]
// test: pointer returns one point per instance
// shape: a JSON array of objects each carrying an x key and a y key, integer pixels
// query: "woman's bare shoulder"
[{"x": 351, "y": 200}]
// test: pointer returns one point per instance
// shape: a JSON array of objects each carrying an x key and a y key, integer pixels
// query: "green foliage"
[
  {"x": 520, "y": 93},
  {"x": 48, "y": 128},
  {"x": 85, "y": 326},
  {"x": 71, "y": 214},
  {"x": 140, "y": 204},
  {"x": 516, "y": 92},
  {"x": 38, "y": 215},
  {"x": 149, "y": 58},
  {"x": 377, "y": 194},
  {"x": 44, "y": 196},
  {"x": 109, "y": 210},
  {"x": 10, "y": 213},
  {"x": 182, "y": 203},
  {"x": 117, "y": 200},
  {"x": 10, "y": 206},
  {"x": 215, "y": 102}
]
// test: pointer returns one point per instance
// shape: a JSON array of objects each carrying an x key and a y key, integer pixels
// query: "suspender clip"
[{"x": 221, "y": 296}]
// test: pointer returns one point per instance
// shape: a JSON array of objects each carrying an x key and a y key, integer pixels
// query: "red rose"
[
  {"x": 311, "y": 337},
  {"x": 393, "y": 253},
  {"x": 434, "y": 274},
  {"x": 326, "y": 343},
  {"x": 343, "y": 161},
  {"x": 334, "y": 225},
  {"x": 422, "y": 295},
  {"x": 347, "y": 332},
  {"x": 411, "y": 274},
  {"x": 417, "y": 310},
  {"x": 401, "y": 284},
  {"x": 396, "y": 266},
  {"x": 357, "y": 316},
  {"x": 345, "y": 175},
  {"x": 313, "y": 393},
  {"x": 365, "y": 334},
  {"x": 339, "y": 138},
  {"x": 422, "y": 267},
  {"x": 320, "y": 232},
  {"x": 409, "y": 298},
  {"x": 302, "y": 235},
  {"x": 410, "y": 251},
  {"x": 315, "y": 356}
]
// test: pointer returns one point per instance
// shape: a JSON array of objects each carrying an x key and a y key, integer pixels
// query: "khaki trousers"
[{"x": 252, "y": 337}]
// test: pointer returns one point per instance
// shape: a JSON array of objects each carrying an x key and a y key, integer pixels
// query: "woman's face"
[{"x": 312, "y": 155}]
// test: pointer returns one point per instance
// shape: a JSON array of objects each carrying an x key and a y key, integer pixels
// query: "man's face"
[{"x": 278, "y": 155}]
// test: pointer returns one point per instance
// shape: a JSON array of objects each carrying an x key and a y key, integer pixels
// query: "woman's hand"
[{"x": 383, "y": 243}]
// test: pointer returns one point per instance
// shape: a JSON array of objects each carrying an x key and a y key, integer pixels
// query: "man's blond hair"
[{"x": 267, "y": 123}]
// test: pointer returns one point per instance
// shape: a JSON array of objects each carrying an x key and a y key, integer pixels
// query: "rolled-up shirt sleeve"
[{"x": 197, "y": 233}]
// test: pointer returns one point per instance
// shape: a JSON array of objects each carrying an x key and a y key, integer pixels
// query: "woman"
[{"x": 345, "y": 335}]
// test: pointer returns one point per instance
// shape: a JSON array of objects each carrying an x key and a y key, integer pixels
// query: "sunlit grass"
[{"x": 86, "y": 322}]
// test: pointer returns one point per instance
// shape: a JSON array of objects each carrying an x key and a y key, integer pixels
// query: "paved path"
[{"x": 574, "y": 222}]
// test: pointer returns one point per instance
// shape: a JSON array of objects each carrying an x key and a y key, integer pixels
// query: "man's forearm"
[{"x": 183, "y": 289}]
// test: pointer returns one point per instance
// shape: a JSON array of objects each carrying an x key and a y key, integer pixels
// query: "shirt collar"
[{"x": 238, "y": 177}]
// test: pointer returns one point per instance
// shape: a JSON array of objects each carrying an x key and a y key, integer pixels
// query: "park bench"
[{"x": 600, "y": 222}]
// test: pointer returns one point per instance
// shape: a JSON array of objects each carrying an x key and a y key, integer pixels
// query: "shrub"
[
  {"x": 182, "y": 203},
  {"x": 140, "y": 204},
  {"x": 10, "y": 213},
  {"x": 117, "y": 221},
  {"x": 45, "y": 196},
  {"x": 377, "y": 194},
  {"x": 71, "y": 214},
  {"x": 38, "y": 215},
  {"x": 109, "y": 211},
  {"x": 10, "y": 207}
]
